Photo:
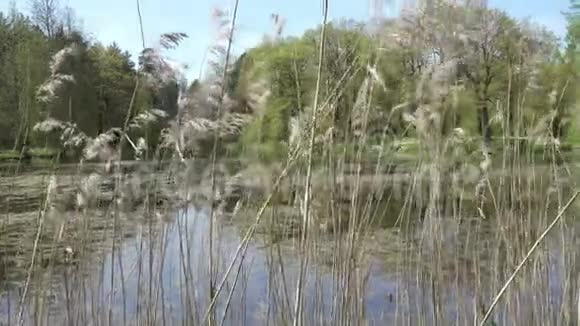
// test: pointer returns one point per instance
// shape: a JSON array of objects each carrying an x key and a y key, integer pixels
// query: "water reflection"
[
  {"x": 170, "y": 272},
  {"x": 158, "y": 272}
]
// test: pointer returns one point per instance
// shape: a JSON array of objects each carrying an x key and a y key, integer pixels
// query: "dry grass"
[{"x": 302, "y": 242}]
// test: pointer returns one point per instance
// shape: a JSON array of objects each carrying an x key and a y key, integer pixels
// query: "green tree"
[{"x": 113, "y": 82}]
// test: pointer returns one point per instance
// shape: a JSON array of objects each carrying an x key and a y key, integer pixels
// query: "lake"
[{"x": 79, "y": 246}]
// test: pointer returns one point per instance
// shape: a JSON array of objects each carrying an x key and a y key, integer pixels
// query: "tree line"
[
  {"x": 474, "y": 70},
  {"x": 430, "y": 73},
  {"x": 95, "y": 95}
]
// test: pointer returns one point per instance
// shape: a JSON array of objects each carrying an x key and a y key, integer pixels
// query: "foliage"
[
  {"x": 486, "y": 71},
  {"x": 478, "y": 69},
  {"x": 54, "y": 76}
]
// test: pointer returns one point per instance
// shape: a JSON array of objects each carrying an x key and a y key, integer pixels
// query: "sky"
[{"x": 117, "y": 21}]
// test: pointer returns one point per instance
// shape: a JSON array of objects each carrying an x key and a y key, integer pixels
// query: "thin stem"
[
  {"x": 307, "y": 192},
  {"x": 526, "y": 258},
  {"x": 34, "y": 252},
  {"x": 214, "y": 158}
]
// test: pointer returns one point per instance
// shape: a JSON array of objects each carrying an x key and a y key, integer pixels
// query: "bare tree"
[
  {"x": 69, "y": 19},
  {"x": 45, "y": 15}
]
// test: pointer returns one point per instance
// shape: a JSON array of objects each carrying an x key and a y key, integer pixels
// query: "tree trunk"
[
  {"x": 556, "y": 126},
  {"x": 100, "y": 121},
  {"x": 484, "y": 127},
  {"x": 18, "y": 133},
  {"x": 70, "y": 111}
]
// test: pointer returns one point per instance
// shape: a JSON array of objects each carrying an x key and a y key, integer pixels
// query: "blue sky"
[{"x": 116, "y": 20}]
